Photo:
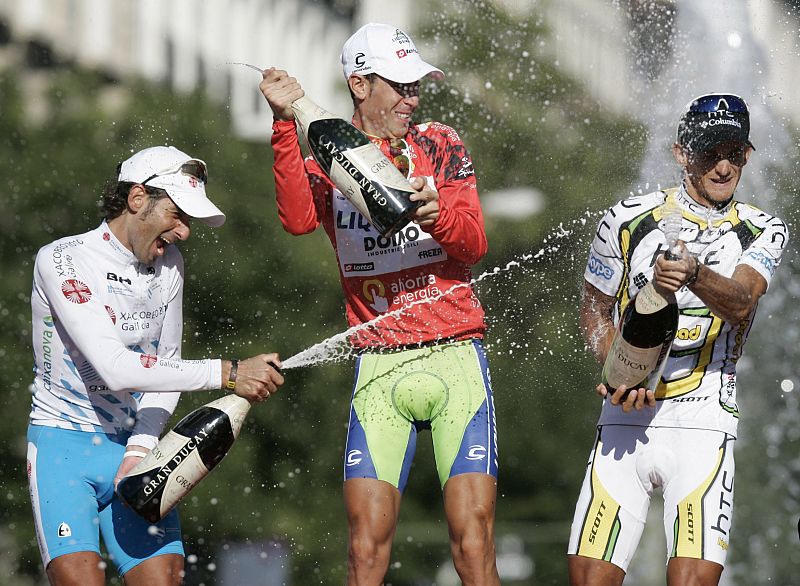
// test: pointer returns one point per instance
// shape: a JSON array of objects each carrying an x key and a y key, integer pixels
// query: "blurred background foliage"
[{"x": 252, "y": 288}]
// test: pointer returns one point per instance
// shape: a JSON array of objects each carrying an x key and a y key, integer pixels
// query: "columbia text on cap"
[
  {"x": 712, "y": 119},
  {"x": 181, "y": 176},
  {"x": 387, "y": 51}
]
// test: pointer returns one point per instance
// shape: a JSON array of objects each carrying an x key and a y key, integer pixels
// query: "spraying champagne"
[
  {"x": 358, "y": 168},
  {"x": 647, "y": 326},
  {"x": 183, "y": 457}
]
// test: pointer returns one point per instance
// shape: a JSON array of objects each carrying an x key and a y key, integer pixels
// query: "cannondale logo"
[
  {"x": 476, "y": 452},
  {"x": 353, "y": 457},
  {"x": 359, "y": 60}
]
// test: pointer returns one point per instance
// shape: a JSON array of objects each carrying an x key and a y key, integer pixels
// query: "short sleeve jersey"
[
  {"x": 106, "y": 328},
  {"x": 698, "y": 386}
]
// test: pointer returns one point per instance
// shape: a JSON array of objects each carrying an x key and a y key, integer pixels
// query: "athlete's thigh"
[
  {"x": 612, "y": 506},
  {"x": 164, "y": 570},
  {"x": 64, "y": 467},
  {"x": 464, "y": 429},
  {"x": 380, "y": 441},
  {"x": 469, "y": 504},
  {"x": 698, "y": 499},
  {"x": 84, "y": 568},
  {"x": 130, "y": 540},
  {"x": 372, "y": 509}
]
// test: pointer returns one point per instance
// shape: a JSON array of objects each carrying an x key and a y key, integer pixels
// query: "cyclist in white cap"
[
  {"x": 425, "y": 368},
  {"x": 107, "y": 322},
  {"x": 678, "y": 437}
]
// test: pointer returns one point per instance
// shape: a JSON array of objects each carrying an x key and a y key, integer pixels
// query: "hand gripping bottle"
[
  {"x": 183, "y": 457},
  {"x": 647, "y": 326},
  {"x": 357, "y": 167}
]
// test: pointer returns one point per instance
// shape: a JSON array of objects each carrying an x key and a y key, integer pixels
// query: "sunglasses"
[
  {"x": 407, "y": 90},
  {"x": 737, "y": 155},
  {"x": 193, "y": 168},
  {"x": 718, "y": 103},
  {"x": 398, "y": 149}
]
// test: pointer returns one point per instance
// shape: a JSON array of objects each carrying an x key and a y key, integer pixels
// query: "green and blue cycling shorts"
[{"x": 445, "y": 388}]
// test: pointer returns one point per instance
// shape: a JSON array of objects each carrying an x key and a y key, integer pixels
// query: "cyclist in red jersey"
[{"x": 424, "y": 368}]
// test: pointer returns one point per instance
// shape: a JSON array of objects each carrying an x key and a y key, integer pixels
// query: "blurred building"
[
  {"x": 616, "y": 48},
  {"x": 191, "y": 44}
]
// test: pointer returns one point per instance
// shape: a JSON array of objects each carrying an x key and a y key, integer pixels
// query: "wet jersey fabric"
[
  {"x": 698, "y": 386},
  {"x": 107, "y": 338},
  {"x": 71, "y": 482},
  {"x": 445, "y": 388},
  {"x": 378, "y": 274}
]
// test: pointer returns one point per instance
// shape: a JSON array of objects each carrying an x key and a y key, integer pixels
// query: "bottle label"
[
  {"x": 364, "y": 252},
  {"x": 649, "y": 301},
  {"x": 628, "y": 365}
]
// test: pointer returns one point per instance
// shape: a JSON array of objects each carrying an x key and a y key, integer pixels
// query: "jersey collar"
[
  {"x": 113, "y": 245},
  {"x": 710, "y": 214}
]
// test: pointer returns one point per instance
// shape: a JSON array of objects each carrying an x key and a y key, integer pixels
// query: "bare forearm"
[
  {"x": 598, "y": 338},
  {"x": 728, "y": 298},
  {"x": 596, "y": 324}
]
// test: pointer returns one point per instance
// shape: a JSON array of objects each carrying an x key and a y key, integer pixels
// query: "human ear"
[
  {"x": 359, "y": 85},
  {"x": 680, "y": 155},
  {"x": 137, "y": 197}
]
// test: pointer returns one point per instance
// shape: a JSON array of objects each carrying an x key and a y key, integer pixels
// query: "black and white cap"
[{"x": 711, "y": 119}]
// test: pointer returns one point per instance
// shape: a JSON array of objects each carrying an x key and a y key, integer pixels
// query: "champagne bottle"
[
  {"x": 357, "y": 167},
  {"x": 647, "y": 326},
  {"x": 183, "y": 457}
]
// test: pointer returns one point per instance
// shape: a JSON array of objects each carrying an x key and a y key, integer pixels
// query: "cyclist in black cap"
[{"x": 679, "y": 436}]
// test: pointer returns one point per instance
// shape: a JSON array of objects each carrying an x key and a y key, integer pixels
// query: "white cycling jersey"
[
  {"x": 698, "y": 386},
  {"x": 107, "y": 338}
]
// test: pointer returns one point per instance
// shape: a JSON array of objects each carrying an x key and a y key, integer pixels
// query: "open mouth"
[{"x": 161, "y": 245}]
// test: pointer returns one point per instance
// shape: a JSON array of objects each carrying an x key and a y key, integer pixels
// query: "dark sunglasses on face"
[
  {"x": 407, "y": 90},
  {"x": 737, "y": 155},
  {"x": 718, "y": 103},
  {"x": 193, "y": 168}
]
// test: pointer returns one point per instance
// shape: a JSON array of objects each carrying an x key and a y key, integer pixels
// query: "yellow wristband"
[{"x": 231, "y": 384}]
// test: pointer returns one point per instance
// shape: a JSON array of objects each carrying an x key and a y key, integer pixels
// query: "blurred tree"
[
  {"x": 250, "y": 288},
  {"x": 528, "y": 125}
]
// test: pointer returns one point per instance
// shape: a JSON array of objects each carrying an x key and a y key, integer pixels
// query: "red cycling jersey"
[{"x": 412, "y": 269}]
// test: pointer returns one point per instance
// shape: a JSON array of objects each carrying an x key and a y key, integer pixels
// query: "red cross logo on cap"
[{"x": 148, "y": 360}]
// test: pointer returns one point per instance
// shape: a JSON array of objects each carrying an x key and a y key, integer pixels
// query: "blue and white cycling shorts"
[{"x": 71, "y": 483}]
